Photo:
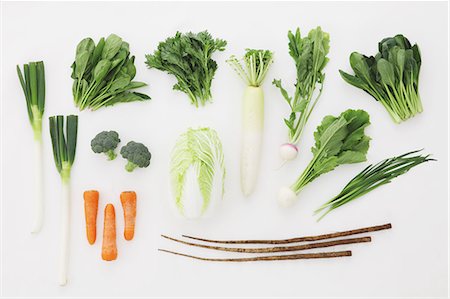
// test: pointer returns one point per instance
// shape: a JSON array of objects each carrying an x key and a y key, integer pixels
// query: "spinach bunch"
[
  {"x": 391, "y": 76},
  {"x": 188, "y": 58},
  {"x": 103, "y": 74}
]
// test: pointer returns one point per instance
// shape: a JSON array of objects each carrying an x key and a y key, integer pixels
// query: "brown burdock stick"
[
  {"x": 276, "y": 249},
  {"x": 299, "y": 239},
  {"x": 268, "y": 257}
]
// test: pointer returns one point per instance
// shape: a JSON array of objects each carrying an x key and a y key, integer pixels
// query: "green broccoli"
[
  {"x": 137, "y": 155},
  {"x": 106, "y": 142}
]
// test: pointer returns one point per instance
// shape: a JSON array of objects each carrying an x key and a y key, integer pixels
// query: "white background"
[{"x": 409, "y": 260}]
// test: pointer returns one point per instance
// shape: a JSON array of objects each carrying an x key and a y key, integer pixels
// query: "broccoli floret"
[
  {"x": 137, "y": 155},
  {"x": 106, "y": 142}
]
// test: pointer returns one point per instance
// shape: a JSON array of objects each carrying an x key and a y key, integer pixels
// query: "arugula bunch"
[
  {"x": 310, "y": 56},
  {"x": 103, "y": 74},
  {"x": 188, "y": 58},
  {"x": 391, "y": 77},
  {"x": 339, "y": 140}
]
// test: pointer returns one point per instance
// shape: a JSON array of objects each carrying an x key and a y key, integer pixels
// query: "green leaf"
[
  {"x": 101, "y": 70},
  {"x": 55, "y": 142},
  {"x": 81, "y": 61},
  {"x": 283, "y": 91},
  {"x": 86, "y": 45},
  {"x": 41, "y": 86},
  {"x": 97, "y": 54},
  {"x": 119, "y": 83},
  {"x": 112, "y": 45},
  {"x": 386, "y": 72},
  {"x": 353, "y": 80},
  {"x": 300, "y": 107},
  {"x": 359, "y": 65},
  {"x": 71, "y": 134},
  {"x": 291, "y": 121}
]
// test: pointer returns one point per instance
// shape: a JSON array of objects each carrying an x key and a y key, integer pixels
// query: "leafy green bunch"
[
  {"x": 310, "y": 56},
  {"x": 339, "y": 140},
  {"x": 391, "y": 77},
  {"x": 103, "y": 74},
  {"x": 372, "y": 177},
  {"x": 256, "y": 65},
  {"x": 188, "y": 58}
]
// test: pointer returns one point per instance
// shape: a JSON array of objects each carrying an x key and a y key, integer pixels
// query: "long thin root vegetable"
[
  {"x": 268, "y": 257},
  {"x": 300, "y": 239},
  {"x": 109, "y": 246},
  {"x": 128, "y": 200},
  {"x": 253, "y": 124},
  {"x": 90, "y": 212},
  {"x": 277, "y": 249},
  {"x": 256, "y": 63}
]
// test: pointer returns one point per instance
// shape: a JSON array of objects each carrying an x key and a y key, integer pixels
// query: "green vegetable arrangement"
[
  {"x": 372, "y": 177},
  {"x": 197, "y": 172},
  {"x": 105, "y": 143},
  {"x": 64, "y": 148},
  {"x": 310, "y": 56},
  {"x": 103, "y": 74},
  {"x": 391, "y": 77},
  {"x": 33, "y": 84},
  {"x": 339, "y": 140},
  {"x": 188, "y": 58}
]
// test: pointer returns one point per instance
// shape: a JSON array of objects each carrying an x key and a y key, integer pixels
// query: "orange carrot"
[
  {"x": 90, "y": 212},
  {"x": 109, "y": 247},
  {"x": 128, "y": 200}
]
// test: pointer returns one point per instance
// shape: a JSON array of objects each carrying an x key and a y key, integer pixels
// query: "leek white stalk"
[
  {"x": 64, "y": 148},
  {"x": 65, "y": 230},
  {"x": 38, "y": 215},
  {"x": 253, "y": 71}
]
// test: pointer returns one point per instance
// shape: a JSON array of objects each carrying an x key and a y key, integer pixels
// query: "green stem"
[{"x": 65, "y": 172}]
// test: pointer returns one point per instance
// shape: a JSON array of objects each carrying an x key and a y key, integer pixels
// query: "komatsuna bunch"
[{"x": 391, "y": 76}]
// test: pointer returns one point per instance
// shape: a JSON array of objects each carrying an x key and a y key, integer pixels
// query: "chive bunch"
[{"x": 373, "y": 176}]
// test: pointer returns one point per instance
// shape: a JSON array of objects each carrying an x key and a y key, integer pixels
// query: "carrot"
[
  {"x": 128, "y": 200},
  {"x": 90, "y": 212},
  {"x": 109, "y": 247}
]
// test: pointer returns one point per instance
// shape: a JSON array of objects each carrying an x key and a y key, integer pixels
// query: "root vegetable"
[
  {"x": 90, "y": 211},
  {"x": 109, "y": 246},
  {"x": 128, "y": 200}
]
